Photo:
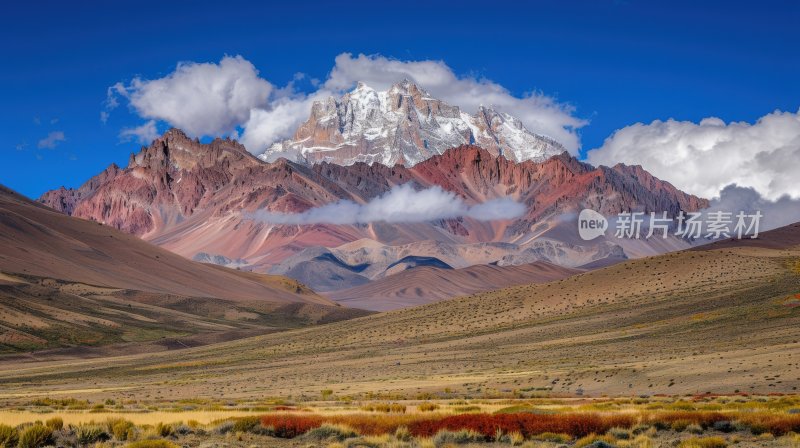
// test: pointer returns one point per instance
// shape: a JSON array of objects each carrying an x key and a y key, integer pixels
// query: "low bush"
[
  {"x": 595, "y": 441},
  {"x": 461, "y": 437},
  {"x": 329, "y": 431},
  {"x": 513, "y": 438},
  {"x": 402, "y": 434},
  {"x": 385, "y": 407},
  {"x": 55, "y": 423},
  {"x": 35, "y": 436},
  {"x": 464, "y": 409},
  {"x": 9, "y": 436},
  {"x": 619, "y": 433},
  {"x": 576, "y": 425},
  {"x": 553, "y": 437},
  {"x": 290, "y": 426},
  {"x": 246, "y": 424},
  {"x": 152, "y": 444},
  {"x": 680, "y": 425},
  {"x": 224, "y": 427},
  {"x": 164, "y": 430},
  {"x": 121, "y": 429},
  {"x": 723, "y": 426},
  {"x": 89, "y": 434},
  {"x": 694, "y": 428},
  {"x": 427, "y": 407},
  {"x": 704, "y": 442}
]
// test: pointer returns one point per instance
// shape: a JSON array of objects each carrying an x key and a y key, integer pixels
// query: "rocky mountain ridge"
[{"x": 404, "y": 125}]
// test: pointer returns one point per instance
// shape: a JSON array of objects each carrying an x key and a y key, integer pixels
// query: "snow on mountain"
[{"x": 404, "y": 125}]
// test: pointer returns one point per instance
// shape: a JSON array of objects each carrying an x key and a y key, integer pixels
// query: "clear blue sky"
[{"x": 617, "y": 62}]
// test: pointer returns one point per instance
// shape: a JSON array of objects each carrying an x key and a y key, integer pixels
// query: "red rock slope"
[{"x": 190, "y": 197}]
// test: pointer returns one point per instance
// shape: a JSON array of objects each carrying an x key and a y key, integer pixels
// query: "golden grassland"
[{"x": 702, "y": 421}]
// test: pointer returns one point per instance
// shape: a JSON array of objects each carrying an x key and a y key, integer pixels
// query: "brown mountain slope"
[
  {"x": 688, "y": 322},
  {"x": 83, "y": 289},
  {"x": 38, "y": 241},
  {"x": 423, "y": 285}
]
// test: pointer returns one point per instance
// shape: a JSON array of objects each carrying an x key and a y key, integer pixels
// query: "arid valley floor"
[{"x": 696, "y": 331}]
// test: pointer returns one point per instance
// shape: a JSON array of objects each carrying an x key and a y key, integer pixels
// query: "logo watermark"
[
  {"x": 591, "y": 224},
  {"x": 638, "y": 225}
]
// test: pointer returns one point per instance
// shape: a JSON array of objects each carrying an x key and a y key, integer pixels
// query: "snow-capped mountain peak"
[{"x": 403, "y": 125}]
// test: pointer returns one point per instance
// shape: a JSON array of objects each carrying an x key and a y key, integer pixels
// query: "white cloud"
[
  {"x": 266, "y": 126},
  {"x": 52, "y": 140},
  {"x": 143, "y": 134},
  {"x": 702, "y": 158},
  {"x": 199, "y": 98},
  {"x": 401, "y": 204}
]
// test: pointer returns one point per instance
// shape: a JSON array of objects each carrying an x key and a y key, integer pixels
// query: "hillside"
[
  {"x": 38, "y": 241},
  {"x": 423, "y": 285},
  {"x": 717, "y": 320},
  {"x": 68, "y": 282}
]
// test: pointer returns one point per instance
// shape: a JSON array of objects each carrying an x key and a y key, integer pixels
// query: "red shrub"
[
  {"x": 526, "y": 424},
  {"x": 776, "y": 424},
  {"x": 289, "y": 426}
]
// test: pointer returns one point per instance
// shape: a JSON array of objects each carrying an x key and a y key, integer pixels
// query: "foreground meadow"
[{"x": 701, "y": 421}]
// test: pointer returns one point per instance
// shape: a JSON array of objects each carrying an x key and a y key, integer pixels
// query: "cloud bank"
[
  {"x": 702, "y": 158},
  {"x": 200, "y": 98},
  {"x": 776, "y": 213},
  {"x": 230, "y": 98},
  {"x": 401, "y": 204}
]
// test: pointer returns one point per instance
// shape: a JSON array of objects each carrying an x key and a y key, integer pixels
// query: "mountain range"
[{"x": 207, "y": 201}]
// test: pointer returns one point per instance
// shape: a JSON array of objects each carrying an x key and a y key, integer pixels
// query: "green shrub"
[
  {"x": 152, "y": 444},
  {"x": 403, "y": 434},
  {"x": 465, "y": 409},
  {"x": 553, "y": 437},
  {"x": 55, "y": 423},
  {"x": 443, "y": 438},
  {"x": 329, "y": 431},
  {"x": 224, "y": 427},
  {"x": 427, "y": 407},
  {"x": 121, "y": 429},
  {"x": 89, "y": 434},
  {"x": 35, "y": 436},
  {"x": 704, "y": 442},
  {"x": 694, "y": 429},
  {"x": 246, "y": 424},
  {"x": 680, "y": 425},
  {"x": 9, "y": 436},
  {"x": 165, "y": 430},
  {"x": 619, "y": 433}
]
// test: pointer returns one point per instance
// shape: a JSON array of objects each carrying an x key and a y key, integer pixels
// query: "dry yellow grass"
[{"x": 686, "y": 322}]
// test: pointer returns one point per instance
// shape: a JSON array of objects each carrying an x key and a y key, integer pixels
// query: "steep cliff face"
[
  {"x": 404, "y": 125},
  {"x": 199, "y": 198}
]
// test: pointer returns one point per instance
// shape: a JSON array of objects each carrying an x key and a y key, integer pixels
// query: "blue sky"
[{"x": 616, "y": 62}]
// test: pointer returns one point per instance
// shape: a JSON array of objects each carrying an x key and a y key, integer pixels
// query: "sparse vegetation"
[
  {"x": 9, "y": 437},
  {"x": 35, "y": 436}
]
